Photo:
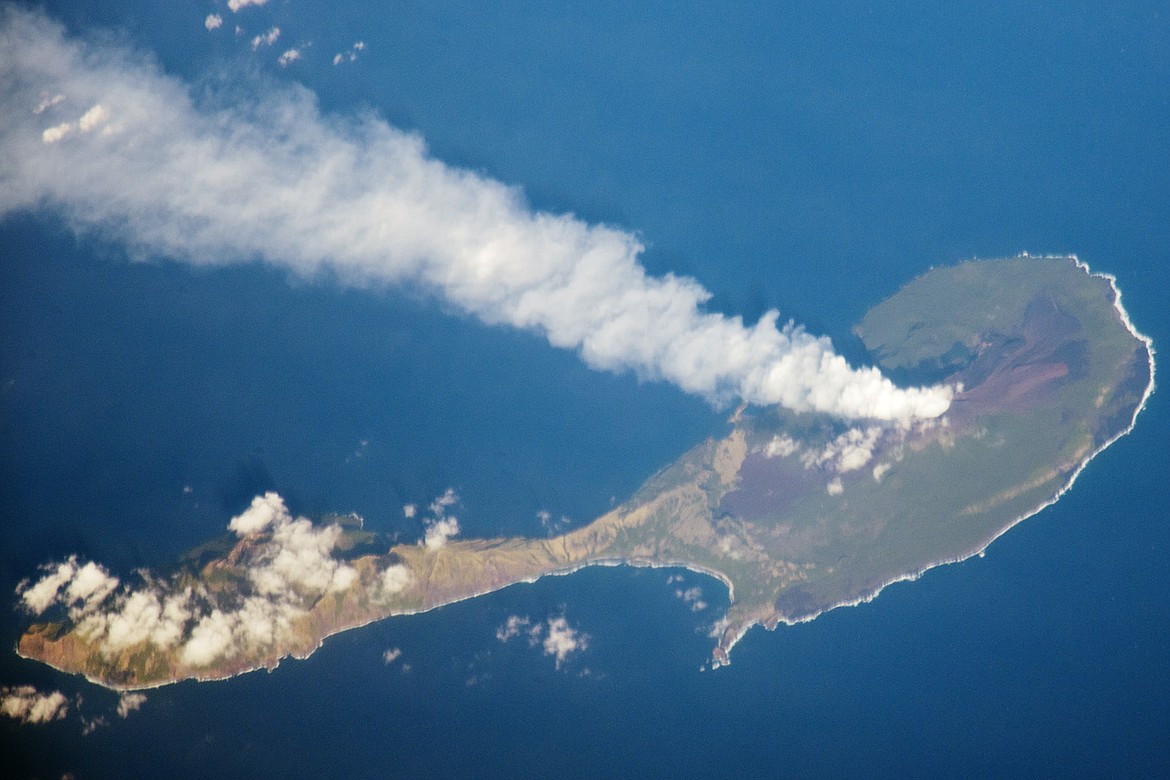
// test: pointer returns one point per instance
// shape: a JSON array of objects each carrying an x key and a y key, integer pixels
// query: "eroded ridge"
[{"x": 794, "y": 513}]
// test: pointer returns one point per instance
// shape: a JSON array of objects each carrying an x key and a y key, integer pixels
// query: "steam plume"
[{"x": 131, "y": 153}]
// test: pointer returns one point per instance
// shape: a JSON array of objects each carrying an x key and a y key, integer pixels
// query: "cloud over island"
[{"x": 288, "y": 563}]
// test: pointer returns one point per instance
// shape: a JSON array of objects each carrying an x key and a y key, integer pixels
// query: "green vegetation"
[{"x": 1049, "y": 371}]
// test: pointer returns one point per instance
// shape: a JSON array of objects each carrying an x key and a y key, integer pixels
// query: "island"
[{"x": 795, "y": 513}]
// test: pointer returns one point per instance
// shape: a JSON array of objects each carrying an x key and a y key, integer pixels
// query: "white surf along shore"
[
  {"x": 721, "y": 654},
  {"x": 981, "y": 549}
]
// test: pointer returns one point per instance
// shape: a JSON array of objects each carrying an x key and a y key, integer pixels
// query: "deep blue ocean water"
[{"x": 804, "y": 158}]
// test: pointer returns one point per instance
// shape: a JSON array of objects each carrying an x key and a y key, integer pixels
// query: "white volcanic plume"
[{"x": 129, "y": 152}]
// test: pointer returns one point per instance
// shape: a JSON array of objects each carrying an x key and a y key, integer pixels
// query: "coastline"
[
  {"x": 734, "y": 625},
  {"x": 1123, "y": 314}
]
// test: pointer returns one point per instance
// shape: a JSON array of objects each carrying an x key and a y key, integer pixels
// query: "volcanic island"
[{"x": 795, "y": 513}]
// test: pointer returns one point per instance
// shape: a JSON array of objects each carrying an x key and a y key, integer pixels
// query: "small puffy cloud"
[
  {"x": 409, "y": 510},
  {"x": 289, "y": 564},
  {"x": 130, "y": 702},
  {"x": 48, "y": 102},
  {"x": 80, "y": 588},
  {"x": 28, "y": 705},
  {"x": 263, "y": 511},
  {"x": 439, "y": 505},
  {"x": 439, "y": 532},
  {"x": 391, "y": 655},
  {"x": 850, "y": 451},
  {"x": 395, "y": 579},
  {"x": 298, "y": 558},
  {"x": 858, "y": 449},
  {"x": 550, "y": 524},
  {"x": 235, "y": 5},
  {"x": 55, "y": 133},
  {"x": 351, "y": 55},
  {"x": 288, "y": 58},
  {"x": 880, "y": 470},
  {"x": 212, "y": 638},
  {"x": 512, "y": 627},
  {"x": 835, "y": 487},
  {"x": 555, "y": 636},
  {"x": 781, "y": 447},
  {"x": 91, "y": 583},
  {"x": 90, "y": 725},
  {"x": 266, "y": 39},
  {"x": 95, "y": 116},
  {"x": 693, "y": 597},
  {"x": 213, "y": 22},
  {"x": 139, "y": 616},
  {"x": 440, "y": 527},
  {"x": 562, "y": 639},
  {"x": 40, "y": 596}
]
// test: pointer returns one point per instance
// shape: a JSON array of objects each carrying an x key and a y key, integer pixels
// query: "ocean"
[{"x": 804, "y": 158}]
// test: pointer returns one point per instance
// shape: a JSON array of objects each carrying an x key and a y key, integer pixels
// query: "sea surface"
[{"x": 804, "y": 158}]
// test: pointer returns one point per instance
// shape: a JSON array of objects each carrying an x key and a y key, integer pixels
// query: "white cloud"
[
  {"x": 48, "y": 102},
  {"x": 350, "y": 55},
  {"x": 850, "y": 451},
  {"x": 28, "y": 705},
  {"x": 835, "y": 487},
  {"x": 392, "y": 655},
  {"x": 781, "y": 446},
  {"x": 43, "y": 594},
  {"x": 409, "y": 510},
  {"x": 550, "y": 524},
  {"x": 395, "y": 579},
  {"x": 138, "y": 616},
  {"x": 89, "y": 120},
  {"x": 439, "y": 506},
  {"x": 288, "y": 561},
  {"x": 235, "y": 5},
  {"x": 693, "y": 597},
  {"x": 90, "y": 725},
  {"x": 266, "y": 39},
  {"x": 263, "y": 511},
  {"x": 213, "y": 22},
  {"x": 439, "y": 532},
  {"x": 562, "y": 639},
  {"x": 272, "y": 178},
  {"x": 511, "y": 628},
  {"x": 555, "y": 636},
  {"x": 212, "y": 638},
  {"x": 289, "y": 57},
  {"x": 130, "y": 702},
  {"x": 52, "y": 135},
  {"x": 91, "y": 583},
  {"x": 440, "y": 527}
]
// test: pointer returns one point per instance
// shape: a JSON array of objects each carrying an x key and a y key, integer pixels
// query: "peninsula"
[{"x": 796, "y": 514}]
